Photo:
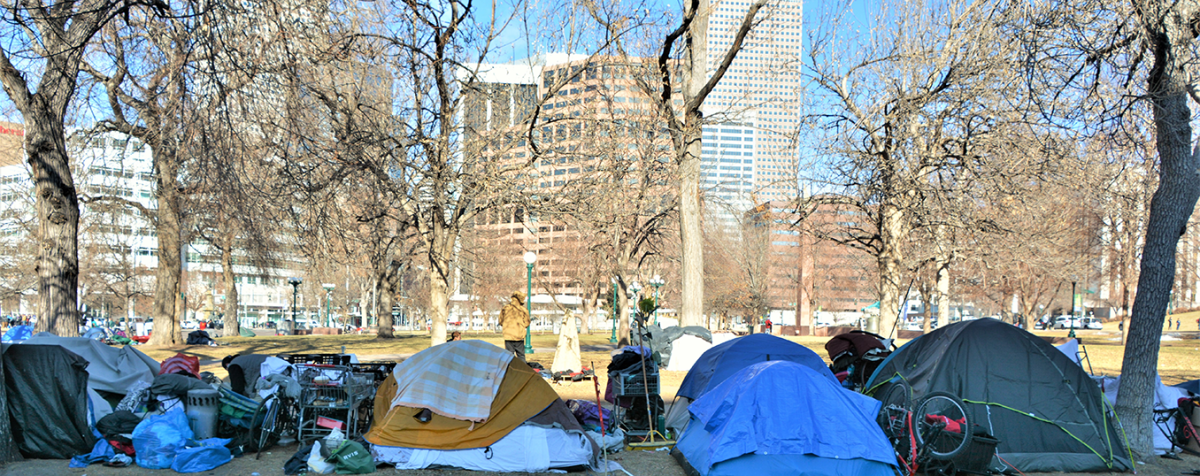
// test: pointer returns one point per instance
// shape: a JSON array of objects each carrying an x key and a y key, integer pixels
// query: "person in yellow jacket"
[{"x": 515, "y": 319}]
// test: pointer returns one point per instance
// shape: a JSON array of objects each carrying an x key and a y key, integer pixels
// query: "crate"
[
  {"x": 377, "y": 372},
  {"x": 317, "y": 359},
  {"x": 978, "y": 455},
  {"x": 632, "y": 384}
]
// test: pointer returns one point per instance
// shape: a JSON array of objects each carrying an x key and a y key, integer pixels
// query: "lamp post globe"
[{"x": 530, "y": 257}]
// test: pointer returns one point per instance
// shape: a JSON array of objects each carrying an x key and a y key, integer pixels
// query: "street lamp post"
[
  {"x": 657, "y": 282},
  {"x": 530, "y": 258},
  {"x": 613, "y": 339},
  {"x": 295, "y": 282},
  {"x": 1072, "y": 333},
  {"x": 328, "y": 316}
]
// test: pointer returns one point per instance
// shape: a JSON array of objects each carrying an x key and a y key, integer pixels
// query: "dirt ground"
[{"x": 1177, "y": 363}]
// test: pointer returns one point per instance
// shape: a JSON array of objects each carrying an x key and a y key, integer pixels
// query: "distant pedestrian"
[
  {"x": 1121, "y": 326},
  {"x": 515, "y": 320},
  {"x": 768, "y": 325},
  {"x": 1177, "y": 323}
]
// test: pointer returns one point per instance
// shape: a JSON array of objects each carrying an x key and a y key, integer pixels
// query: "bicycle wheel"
[
  {"x": 268, "y": 430},
  {"x": 943, "y": 428},
  {"x": 894, "y": 397}
]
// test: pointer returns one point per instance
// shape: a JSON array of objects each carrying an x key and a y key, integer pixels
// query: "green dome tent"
[{"x": 1046, "y": 411}]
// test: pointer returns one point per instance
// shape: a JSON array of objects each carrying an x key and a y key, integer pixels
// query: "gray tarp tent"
[
  {"x": 1044, "y": 409},
  {"x": 110, "y": 369},
  {"x": 47, "y": 401}
]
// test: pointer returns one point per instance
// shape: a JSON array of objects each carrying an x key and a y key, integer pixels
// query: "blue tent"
[
  {"x": 18, "y": 333},
  {"x": 781, "y": 417},
  {"x": 727, "y": 358}
]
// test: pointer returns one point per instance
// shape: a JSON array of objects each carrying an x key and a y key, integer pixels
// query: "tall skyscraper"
[{"x": 749, "y": 153}]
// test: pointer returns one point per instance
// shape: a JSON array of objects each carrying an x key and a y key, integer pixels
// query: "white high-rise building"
[
  {"x": 118, "y": 245},
  {"x": 749, "y": 153}
]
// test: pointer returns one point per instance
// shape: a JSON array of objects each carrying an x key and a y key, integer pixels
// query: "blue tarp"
[
  {"x": 727, "y": 358},
  {"x": 18, "y": 333},
  {"x": 781, "y": 414}
]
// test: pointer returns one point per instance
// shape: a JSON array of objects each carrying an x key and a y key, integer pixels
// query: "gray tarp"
[{"x": 110, "y": 369}]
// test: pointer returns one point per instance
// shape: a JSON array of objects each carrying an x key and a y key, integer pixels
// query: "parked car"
[
  {"x": 190, "y": 325},
  {"x": 1068, "y": 322},
  {"x": 1093, "y": 324}
]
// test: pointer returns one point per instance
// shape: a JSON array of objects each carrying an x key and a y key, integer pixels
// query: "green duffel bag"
[{"x": 351, "y": 458}]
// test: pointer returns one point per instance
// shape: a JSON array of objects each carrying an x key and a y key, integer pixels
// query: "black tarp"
[
  {"x": 47, "y": 401},
  {"x": 1043, "y": 407}
]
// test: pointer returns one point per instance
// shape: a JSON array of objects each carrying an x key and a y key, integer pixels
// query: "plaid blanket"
[{"x": 457, "y": 379}]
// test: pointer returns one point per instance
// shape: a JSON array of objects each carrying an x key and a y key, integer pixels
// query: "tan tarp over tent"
[{"x": 522, "y": 395}]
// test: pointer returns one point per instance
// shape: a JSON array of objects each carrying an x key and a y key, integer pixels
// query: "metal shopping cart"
[{"x": 330, "y": 397}]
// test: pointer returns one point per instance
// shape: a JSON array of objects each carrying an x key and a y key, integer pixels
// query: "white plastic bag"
[
  {"x": 335, "y": 439},
  {"x": 316, "y": 463}
]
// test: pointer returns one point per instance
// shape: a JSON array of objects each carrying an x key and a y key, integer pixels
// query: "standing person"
[
  {"x": 515, "y": 319},
  {"x": 1178, "y": 322},
  {"x": 768, "y": 325}
]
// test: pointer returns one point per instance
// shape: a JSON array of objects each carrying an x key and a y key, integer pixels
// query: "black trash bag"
[
  {"x": 298, "y": 463},
  {"x": 115, "y": 424},
  {"x": 199, "y": 338}
]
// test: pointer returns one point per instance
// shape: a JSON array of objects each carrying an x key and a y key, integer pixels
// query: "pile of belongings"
[
  {"x": 200, "y": 338},
  {"x": 632, "y": 380},
  {"x": 331, "y": 454},
  {"x": 470, "y": 405},
  {"x": 574, "y": 376},
  {"x": 856, "y": 355},
  {"x": 72, "y": 416}
]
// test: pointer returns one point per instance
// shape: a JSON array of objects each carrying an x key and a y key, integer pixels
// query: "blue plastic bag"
[
  {"x": 157, "y": 438},
  {"x": 211, "y": 454}
]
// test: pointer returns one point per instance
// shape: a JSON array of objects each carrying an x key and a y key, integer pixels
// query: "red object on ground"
[
  {"x": 140, "y": 339},
  {"x": 187, "y": 363}
]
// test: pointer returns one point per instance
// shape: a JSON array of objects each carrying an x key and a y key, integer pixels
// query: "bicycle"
[
  {"x": 929, "y": 436},
  {"x": 1178, "y": 432},
  {"x": 278, "y": 421}
]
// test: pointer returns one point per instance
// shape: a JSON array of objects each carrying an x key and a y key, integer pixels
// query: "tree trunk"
[
  {"x": 386, "y": 299},
  {"x": 170, "y": 247},
  {"x": 890, "y": 258},
  {"x": 943, "y": 294},
  {"x": 385, "y": 286},
  {"x": 1172, "y": 204},
  {"x": 439, "y": 303},
  {"x": 695, "y": 75},
  {"x": 589, "y": 309},
  {"x": 232, "y": 325},
  {"x": 58, "y": 225}
]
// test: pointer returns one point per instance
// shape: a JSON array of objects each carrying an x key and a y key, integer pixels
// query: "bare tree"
[
  {"x": 51, "y": 39},
  {"x": 144, "y": 72},
  {"x": 919, "y": 120}
]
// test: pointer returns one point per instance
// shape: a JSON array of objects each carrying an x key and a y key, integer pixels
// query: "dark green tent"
[
  {"x": 47, "y": 401},
  {"x": 1046, "y": 411}
]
